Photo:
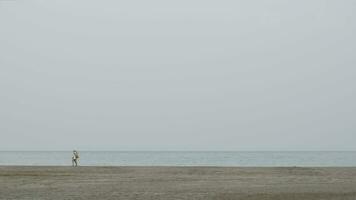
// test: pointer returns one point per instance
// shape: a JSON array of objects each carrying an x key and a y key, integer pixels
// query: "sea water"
[{"x": 181, "y": 158}]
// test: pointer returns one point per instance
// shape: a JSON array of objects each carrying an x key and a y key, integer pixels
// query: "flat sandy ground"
[{"x": 158, "y": 183}]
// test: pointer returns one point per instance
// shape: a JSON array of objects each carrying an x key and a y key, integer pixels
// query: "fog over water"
[{"x": 182, "y": 75}]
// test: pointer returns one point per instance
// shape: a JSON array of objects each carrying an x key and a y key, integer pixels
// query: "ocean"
[{"x": 181, "y": 158}]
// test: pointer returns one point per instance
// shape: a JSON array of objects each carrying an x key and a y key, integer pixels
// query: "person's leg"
[
  {"x": 72, "y": 162},
  {"x": 76, "y": 162}
]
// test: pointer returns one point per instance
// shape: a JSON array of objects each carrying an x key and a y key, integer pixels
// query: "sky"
[{"x": 191, "y": 75}]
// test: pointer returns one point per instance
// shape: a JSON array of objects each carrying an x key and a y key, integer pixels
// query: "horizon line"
[{"x": 179, "y": 150}]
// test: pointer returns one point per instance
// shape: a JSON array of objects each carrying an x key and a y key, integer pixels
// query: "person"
[{"x": 75, "y": 158}]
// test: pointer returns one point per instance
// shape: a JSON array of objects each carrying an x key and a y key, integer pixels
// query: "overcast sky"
[{"x": 177, "y": 75}]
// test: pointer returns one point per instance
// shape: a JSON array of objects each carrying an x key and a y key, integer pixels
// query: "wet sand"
[{"x": 166, "y": 183}]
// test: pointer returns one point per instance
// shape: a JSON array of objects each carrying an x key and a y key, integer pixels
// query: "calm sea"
[{"x": 172, "y": 158}]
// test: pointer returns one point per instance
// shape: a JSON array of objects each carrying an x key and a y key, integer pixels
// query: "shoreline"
[
  {"x": 170, "y": 166},
  {"x": 177, "y": 182}
]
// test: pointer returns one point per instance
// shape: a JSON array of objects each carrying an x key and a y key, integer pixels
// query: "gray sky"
[{"x": 177, "y": 75}]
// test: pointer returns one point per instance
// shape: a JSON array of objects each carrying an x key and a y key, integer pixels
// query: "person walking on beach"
[{"x": 75, "y": 158}]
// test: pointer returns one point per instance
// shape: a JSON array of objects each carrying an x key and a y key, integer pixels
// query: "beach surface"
[{"x": 183, "y": 183}]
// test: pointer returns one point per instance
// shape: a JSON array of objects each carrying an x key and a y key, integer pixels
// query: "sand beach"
[{"x": 168, "y": 183}]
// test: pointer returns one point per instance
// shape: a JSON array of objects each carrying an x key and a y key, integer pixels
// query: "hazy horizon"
[{"x": 170, "y": 76}]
